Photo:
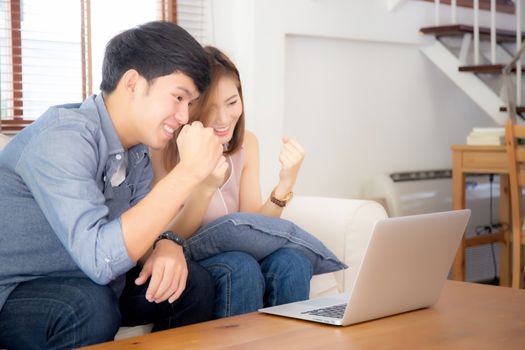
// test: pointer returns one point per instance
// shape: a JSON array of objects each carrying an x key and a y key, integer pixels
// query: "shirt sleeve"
[{"x": 60, "y": 167}]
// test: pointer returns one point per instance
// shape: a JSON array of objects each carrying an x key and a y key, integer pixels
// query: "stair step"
[
  {"x": 486, "y": 68},
  {"x": 460, "y": 29},
  {"x": 519, "y": 109},
  {"x": 505, "y": 6}
]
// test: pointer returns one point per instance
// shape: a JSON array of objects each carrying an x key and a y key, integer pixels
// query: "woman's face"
[{"x": 225, "y": 109}]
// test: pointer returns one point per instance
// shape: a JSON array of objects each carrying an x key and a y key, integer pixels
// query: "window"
[
  {"x": 51, "y": 51},
  {"x": 41, "y": 60},
  {"x": 195, "y": 17},
  {"x": 110, "y": 17}
]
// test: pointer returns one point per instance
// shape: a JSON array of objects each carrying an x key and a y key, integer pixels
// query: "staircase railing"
[
  {"x": 516, "y": 61},
  {"x": 507, "y": 72},
  {"x": 518, "y": 52},
  {"x": 453, "y": 6}
]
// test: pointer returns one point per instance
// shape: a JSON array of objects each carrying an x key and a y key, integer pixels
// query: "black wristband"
[{"x": 172, "y": 236}]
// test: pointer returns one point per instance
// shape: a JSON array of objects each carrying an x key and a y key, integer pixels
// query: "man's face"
[{"x": 161, "y": 107}]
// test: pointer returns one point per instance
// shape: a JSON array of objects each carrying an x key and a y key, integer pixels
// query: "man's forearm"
[
  {"x": 146, "y": 220},
  {"x": 190, "y": 217}
]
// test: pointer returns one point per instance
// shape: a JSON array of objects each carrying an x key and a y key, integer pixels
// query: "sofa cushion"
[{"x": 128, "y": 332}]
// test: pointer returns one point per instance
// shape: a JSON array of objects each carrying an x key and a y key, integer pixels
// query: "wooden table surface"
[{"x": 467, "y": 316}]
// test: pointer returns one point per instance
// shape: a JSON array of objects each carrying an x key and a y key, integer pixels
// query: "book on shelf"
[
  {"x": 499, "y": 141},
  {"x": 487, "y": 136},
  {"x": 495, "y": 130}
]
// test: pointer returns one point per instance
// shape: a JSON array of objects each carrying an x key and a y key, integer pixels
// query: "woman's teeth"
[{"x": 168, "y": 129}]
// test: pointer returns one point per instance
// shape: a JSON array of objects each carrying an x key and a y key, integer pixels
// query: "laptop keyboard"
[{"x": 336, "y": 311}]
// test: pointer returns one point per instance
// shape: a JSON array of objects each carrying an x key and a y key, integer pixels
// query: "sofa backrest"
[{"x": 4, "y": 139}]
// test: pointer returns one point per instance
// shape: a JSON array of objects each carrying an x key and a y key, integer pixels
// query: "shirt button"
[
  {"x": 118, "y": 156},
  {"x": 105, "y": 178}
]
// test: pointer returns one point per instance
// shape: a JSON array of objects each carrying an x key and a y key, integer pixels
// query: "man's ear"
[{"x": 129, "y": 81}]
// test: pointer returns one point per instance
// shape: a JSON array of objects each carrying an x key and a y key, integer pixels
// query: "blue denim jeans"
[
  {"x": 243, "y": 284},
  {"x": 58, "y": 313},
  {"x": 194, "y": 305},
  {"x": 69, "y": 312}
]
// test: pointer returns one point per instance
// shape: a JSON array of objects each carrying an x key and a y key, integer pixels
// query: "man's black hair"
[{"x": 154, "y": 49}]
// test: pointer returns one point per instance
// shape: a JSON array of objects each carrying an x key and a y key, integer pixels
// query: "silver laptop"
[{"x": 404, "y": 268}]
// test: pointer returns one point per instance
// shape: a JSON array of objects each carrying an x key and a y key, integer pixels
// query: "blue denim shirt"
[{"x": 59, "y": 213}]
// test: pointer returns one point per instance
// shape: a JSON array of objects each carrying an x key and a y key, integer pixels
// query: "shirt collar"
[
  {"x": 135, "y": 153},
  {"x": 108, "y": 129}
]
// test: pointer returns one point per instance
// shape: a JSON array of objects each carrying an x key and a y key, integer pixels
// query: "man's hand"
[
  {"x": 168, "y": 270},
  {"x": 216, "y": 178},
  {"x": 199, "y": 150}
]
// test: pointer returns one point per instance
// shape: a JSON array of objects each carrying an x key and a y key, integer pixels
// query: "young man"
[{"x": 77, "y": 213}]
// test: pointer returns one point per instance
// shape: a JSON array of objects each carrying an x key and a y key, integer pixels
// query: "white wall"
[
  {"x": 346, "y": 79},
  {"x": 364, "y": 107}
]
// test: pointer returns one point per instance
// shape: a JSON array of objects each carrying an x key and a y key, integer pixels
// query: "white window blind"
[{"x": 195, "y": 16}]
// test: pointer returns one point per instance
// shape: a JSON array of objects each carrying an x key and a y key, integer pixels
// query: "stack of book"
[{"x": 486, "y": 136}]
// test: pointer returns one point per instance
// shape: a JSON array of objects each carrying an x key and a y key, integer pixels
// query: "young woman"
[{"x": 243, "y": 284}]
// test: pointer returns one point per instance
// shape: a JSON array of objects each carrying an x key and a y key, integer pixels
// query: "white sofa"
[
  {"x": 4, "y": 139},
  {"x": 343, "y": 225}
]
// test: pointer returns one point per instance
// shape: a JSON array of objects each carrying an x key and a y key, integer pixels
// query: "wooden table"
[
  {"x": 467, "y": 316},
  {"x": 482, "y": 160}
]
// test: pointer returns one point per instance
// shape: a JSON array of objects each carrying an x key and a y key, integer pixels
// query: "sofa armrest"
[
  {"x": 4, "y": 139},
  {"x": 344, "y": 226}
]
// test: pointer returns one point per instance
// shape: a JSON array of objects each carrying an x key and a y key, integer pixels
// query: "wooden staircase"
[
  {"x": 486, "y": 68},
  {"x": 519, "y": 109},
  {"x": 502, "y": 36}
]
